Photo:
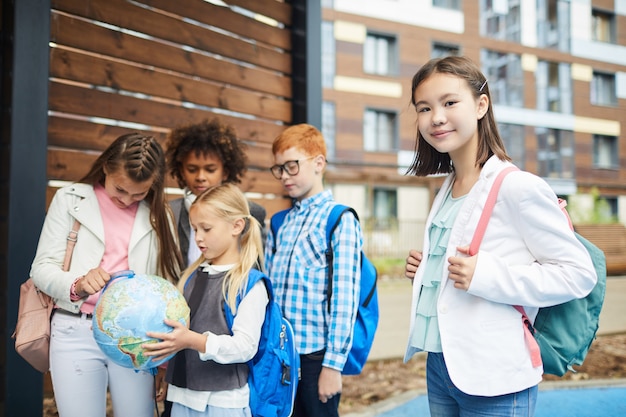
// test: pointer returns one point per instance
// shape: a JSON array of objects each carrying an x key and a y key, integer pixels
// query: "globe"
[{"x": 128, "y": 307}]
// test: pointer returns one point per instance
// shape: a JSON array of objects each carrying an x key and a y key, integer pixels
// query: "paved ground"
[
  {"x": 589, "y": 401},
  {"x": 586, "y": 399}
]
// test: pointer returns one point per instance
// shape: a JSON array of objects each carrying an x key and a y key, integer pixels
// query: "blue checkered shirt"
[{"x": 298, "y": 271}]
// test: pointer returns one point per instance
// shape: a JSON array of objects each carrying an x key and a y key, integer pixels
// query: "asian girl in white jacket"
[{"x": 462, "y": 314}]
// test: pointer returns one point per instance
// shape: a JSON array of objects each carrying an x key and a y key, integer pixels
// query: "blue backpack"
[
  {"x": 275, "y": 369},
  {"x": 367, "y": 314}
]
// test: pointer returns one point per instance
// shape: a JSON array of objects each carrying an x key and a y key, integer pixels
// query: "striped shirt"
[{"x": 298, "y": 271}]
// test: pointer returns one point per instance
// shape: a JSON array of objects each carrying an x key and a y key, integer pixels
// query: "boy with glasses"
[{"x": 299, "y": 271}]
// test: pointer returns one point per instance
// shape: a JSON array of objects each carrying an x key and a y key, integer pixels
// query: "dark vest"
[{"x": 204, "y": 296}]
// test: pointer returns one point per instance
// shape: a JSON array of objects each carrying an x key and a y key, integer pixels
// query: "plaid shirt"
[{"x": 298, "y": 270}]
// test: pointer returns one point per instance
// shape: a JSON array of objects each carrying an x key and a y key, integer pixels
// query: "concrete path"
[{"x": 607, "y": 400}]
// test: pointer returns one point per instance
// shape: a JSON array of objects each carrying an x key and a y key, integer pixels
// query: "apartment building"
[{"x": 556, "y": 71}]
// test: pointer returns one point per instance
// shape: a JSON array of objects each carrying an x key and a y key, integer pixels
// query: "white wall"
[{"x": 353, "y": 196}]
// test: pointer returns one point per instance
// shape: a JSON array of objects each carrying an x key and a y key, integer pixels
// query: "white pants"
[{"x": 81, "y": 372}]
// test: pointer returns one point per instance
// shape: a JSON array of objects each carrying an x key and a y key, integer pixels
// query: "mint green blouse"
[{"x": 426, "y": 330}]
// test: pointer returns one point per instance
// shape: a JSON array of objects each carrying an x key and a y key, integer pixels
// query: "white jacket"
[
  {"x": 78, "y": 201},
  {"x": 528, "y": 256}
]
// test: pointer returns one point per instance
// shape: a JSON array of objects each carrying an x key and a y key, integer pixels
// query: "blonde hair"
[{"x": 229, "y": 204}]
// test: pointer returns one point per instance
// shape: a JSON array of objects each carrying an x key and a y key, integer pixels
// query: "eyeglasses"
[{"x": 290, "y": 167}]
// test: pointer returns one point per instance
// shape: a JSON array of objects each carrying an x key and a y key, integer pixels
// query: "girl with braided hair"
[{"x": 124, "y": 224}]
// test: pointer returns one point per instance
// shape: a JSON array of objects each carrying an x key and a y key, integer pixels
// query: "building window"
[
  {"x": 328, "y": 4},
  {"x": 385, "y": 207},
  {"x": 554, "y": 87},
  {"x": 329, "y": 127},
  {"x": 501, "y": 19},
  {"x": 505, "y": 77},
  {"x": 514, "y": 142},
  {"x": 379, "y": 131},
  {"x": 553, "y": 24},
  {"x": 603, "y": 89},
  {"x": 602, "y": 26},
  {"x": 605, "y": 152},
  {"x": 441, "y": 50},
  {"x": 380, "y": 54},
  {"x": 555, "y": 153},
  {"x": 448, "y": 4},
  {"x": 328, "y": 55}
]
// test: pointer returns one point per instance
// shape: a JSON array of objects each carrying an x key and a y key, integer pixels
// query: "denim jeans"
[
  {"x": 446, "y": 400},
  {"x": 308, "y": 402}
]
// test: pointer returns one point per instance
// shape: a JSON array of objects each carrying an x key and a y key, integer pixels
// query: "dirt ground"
[{"x": 384, "y": 379}]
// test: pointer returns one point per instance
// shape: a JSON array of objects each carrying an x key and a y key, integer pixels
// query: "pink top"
[{"x": 118, "y": 226}]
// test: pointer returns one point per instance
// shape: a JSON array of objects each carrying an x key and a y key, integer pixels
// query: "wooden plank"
[
  {"x": 261, "y": 181},
  {"x": 98, "y": 70},
  {"x": 86, "y": 135},
  {"x": 87, "y": 102},
  {"x": 171, "y": 28},
  {"x": 225, "y": 18},
  {"x": 611, "y": 239},
  {"x": 277, "y": 10},
  {"x": 272, "y": 205},
  {"x": 260, "y": 157},
  {"x": 80, "y": 34},
  {"x": 71, "y": 165}
]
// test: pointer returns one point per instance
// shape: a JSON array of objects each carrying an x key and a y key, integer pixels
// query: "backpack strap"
[
  {"x": 253, "y": 277},
  {"x": 275, "y": 222},
  {"x": 486, "y": 214},
  {"x": 531, "y": 342},
  {"x": 562, "y": 205},
  {"x": 333, "y": 221},
  {"x": 72, "y": 237}
]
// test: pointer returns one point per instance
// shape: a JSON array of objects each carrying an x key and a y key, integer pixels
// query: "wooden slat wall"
[{"x": 118, "y": 66}]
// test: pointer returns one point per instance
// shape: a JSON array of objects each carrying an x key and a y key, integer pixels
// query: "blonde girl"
[{"x": 208, "y": 375}]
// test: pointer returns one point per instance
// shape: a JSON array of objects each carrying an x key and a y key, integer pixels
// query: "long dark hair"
[
  {"x": 428, "y": 160},
  {"x": 141, "y": 157}
]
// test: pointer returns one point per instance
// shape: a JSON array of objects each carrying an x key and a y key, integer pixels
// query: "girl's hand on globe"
[
  {"x": 178, "y": 339},
  {"x": 92, "y": 282}
]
